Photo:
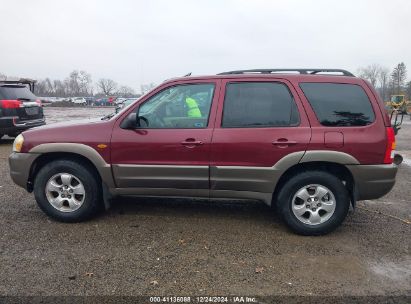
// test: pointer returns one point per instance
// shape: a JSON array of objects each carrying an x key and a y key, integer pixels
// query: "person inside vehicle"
[{"x": 193, "y": 109}]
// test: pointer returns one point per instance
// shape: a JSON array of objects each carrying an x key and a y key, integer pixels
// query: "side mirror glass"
[{"x": 130, "y": 122}]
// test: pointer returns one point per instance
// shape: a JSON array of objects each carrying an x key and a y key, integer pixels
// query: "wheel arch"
[
  {"x": 337, "y": 169},
  {"x": 79, "y": 152}
]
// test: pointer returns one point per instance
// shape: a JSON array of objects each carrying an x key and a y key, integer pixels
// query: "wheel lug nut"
[
  {"x": 308, "y": 206},
  {"x": 315, "y": 199},
  {"x": 63, "y": 196},
  {"x": 313, "y": 209},
  {"x": 68, "y": 196},
  {"x": 309, "y": 200},
  {"x": 319, "y": 205},
  {"x": 71, "y": 190}
]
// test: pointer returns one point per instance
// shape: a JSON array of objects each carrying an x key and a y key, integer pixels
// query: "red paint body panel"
[
  {"x": 90, "y": 132},
  {"x": 366, "y": 143},
  {"x": 163, "y": 146},
  {"x": 333, "y": 139},
  {"x": 254, "y": 146}
]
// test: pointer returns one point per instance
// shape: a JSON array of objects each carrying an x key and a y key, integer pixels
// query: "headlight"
[{"x": 18, "y": 143}]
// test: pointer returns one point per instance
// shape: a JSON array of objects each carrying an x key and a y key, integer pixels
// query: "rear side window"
[
  {"x": 15, "y": 92},
  {"x": 258, "y": 104},
  {"x": 338, "y": 104}
]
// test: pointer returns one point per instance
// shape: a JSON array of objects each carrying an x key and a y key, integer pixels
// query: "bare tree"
[
  {"x": 59, "y": 88},
  {"x": 73, "y": 83},
  {"x": 85, "y": 83},
  {"x": 383, "y": 80},
  {"x": 370, "y": 72},
  {"x": 3, "y": 77},
  {"x": 107, "y": 86},
  {"x": 398, "y": 76},
  {"x": 125, "y": 91}
]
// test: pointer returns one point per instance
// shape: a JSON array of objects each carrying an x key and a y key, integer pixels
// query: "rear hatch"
[{"x": 18, "y": 100}]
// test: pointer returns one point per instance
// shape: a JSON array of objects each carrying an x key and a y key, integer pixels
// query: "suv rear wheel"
[
  {"x": 313, "y": 202},
  {"x": 67, "y": 190}
]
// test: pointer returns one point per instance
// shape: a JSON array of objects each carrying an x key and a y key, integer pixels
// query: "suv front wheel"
[
  {"x": 67, "y": 190},
  {"x": 313, "y": 202}
]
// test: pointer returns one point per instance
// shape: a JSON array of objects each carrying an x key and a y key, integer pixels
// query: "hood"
[
  {"x": 68, "y": 123},
  {"x": 85, "y": 131}
]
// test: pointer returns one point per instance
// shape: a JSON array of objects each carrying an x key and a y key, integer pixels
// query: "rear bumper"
[
  {"x": 373, "y": 181},
  {"x": 10, "y": 125},
  {"x": 20, "y": 164}
]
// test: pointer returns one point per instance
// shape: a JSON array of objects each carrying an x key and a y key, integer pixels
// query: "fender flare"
[{"x": 86, "y": 151}]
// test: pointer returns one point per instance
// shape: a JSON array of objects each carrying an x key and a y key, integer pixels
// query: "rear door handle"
[
  {"x": 191, "y": 142},
  {"x": 284, "y": 142}
]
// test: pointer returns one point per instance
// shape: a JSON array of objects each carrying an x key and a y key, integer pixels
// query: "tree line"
[
  {"x": 79, "y": 84},
  {"x": 385, "y": 81}
]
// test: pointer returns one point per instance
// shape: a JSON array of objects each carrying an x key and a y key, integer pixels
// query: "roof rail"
[{"x": 301, "y": 71}]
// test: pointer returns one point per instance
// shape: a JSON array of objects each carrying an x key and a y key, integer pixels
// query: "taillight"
[
  {"x": 10, "y": 104},
  {"x": 390, "y": 149},
  {"x": 38, "y": 101}
]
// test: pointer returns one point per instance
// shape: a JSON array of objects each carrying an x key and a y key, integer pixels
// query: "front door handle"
[
  {"x": 284, "y": 143},
  {"x": 191, "y": 142}
]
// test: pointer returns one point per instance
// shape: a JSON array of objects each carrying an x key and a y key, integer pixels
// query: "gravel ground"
[{"x": 185, "y": 247}]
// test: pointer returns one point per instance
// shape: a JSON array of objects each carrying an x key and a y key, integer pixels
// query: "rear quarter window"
[{"x": 337, "y": 104}]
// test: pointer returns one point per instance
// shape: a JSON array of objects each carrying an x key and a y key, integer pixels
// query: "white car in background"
[{"x": 79, "y": 100}]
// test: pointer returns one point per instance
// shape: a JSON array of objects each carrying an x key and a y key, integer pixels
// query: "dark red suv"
[{"x": 308, "y": 143}]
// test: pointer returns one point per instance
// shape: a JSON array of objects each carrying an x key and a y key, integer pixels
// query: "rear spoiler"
[{"x": 21, "y": 81}]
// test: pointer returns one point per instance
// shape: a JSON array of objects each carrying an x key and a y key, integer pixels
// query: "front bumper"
[
  {"x": 20, "y": 165},
  {"x": 373, "y": 181}
]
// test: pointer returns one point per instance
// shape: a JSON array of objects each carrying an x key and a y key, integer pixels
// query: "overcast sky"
[{"x": 135, "y": 42}]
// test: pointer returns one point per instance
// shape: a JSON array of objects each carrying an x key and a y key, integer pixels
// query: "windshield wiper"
[{"x": 108, "y": 116}]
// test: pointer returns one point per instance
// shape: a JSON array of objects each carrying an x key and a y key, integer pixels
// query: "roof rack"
[
  {"x": 29, "y": 82},
  {"x": 301, "y": 71}
]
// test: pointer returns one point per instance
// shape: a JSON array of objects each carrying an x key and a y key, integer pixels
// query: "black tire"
[
  {"x": 296, "y": 182},
  {"x": 82, "y": 171}
]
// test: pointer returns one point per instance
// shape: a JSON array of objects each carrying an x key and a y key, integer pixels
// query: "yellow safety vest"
[{"x": 193, "y": 109}]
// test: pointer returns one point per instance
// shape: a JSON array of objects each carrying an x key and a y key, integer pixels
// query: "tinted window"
[
  {"x": 339, "y": 104},
  {"x": 182, "y": 106},
  {"x": 258, "y": 104},
  {"x": 15, "y": 92}
]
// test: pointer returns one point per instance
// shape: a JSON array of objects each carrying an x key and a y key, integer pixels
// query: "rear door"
[{"x": 259, "y": 122}]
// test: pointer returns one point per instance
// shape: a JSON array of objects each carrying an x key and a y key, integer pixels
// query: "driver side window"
[{"x": 178, "y": 107}]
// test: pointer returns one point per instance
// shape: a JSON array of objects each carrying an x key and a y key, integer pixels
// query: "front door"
[{"x": 170, "y": 153}]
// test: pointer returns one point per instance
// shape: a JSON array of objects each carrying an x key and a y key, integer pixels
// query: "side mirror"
[
  {"x": 133, "y": 121},
  {"x": 130, "y": 122}
]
